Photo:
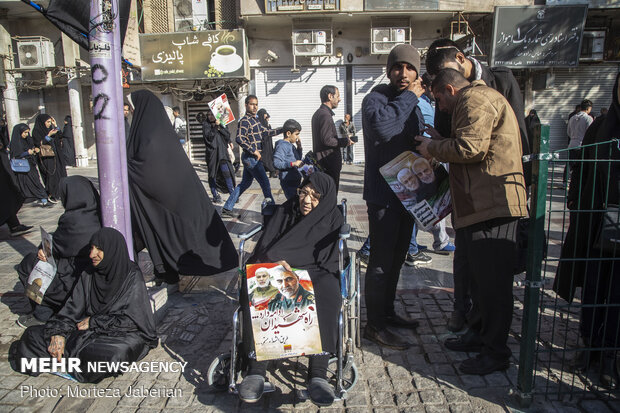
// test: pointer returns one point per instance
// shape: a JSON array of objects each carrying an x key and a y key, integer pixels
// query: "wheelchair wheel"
[
  {"x": 349, "y": 374},
  {"x": 218, "y": 375}
]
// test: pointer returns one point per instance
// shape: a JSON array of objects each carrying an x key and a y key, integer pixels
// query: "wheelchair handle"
[{"x": 250, "y": 233}]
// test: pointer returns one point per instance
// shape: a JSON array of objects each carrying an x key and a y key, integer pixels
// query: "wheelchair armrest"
[
  {"x": 345, "y": 231},
  {"x": 250, "y": 233}
]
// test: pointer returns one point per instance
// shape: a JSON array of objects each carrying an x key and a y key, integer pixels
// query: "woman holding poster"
[{"x": 302, "y": 233}]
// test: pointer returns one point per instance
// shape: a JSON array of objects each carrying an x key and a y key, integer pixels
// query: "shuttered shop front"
[
  {"x": 570, "y": 87},
  {"x": 288, "y": 95}
]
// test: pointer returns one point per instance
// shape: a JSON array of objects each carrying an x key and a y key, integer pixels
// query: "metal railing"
[{"x": 570, "y": 331}]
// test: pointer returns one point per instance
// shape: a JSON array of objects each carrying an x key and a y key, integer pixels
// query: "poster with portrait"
[
  {"x": 43, "y": 272},
  {"x": 422, "y": 187},
  {"x": 221, "y": 109},
  {"x": 283, "y": 312}
]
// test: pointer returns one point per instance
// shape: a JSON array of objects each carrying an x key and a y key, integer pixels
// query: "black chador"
[
  {"x": 29, "y": 182},
  {"x": 52, "y": 167},
  {"x": 172, "y": 215}
]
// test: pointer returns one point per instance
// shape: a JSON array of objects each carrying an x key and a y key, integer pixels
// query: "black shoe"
[
  {"x": 401, "y": 321},
  {"x": 20, "y": 230},
  {"x": 582, "y": 361},
  {"x": 321, "y": 392},
  {"x": 251, "y": 388},
  {"x": 228, "y": 213},
  {"x": 385, "y": 338},
  {"x": 217, "y": 199},
  {"x": 468, "y": 342},
  {"x": 482, "y": 365},
  {"x": 29, "y": 320},
  {"x": 418, "y": 259},
  {"x": 456, "y": 322},
  {"x": 609, "y": 375},
  {"x": 364, "y": 258}
]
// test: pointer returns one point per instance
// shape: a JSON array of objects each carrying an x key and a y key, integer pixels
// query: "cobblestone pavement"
[{"x": 196, "y": 328}]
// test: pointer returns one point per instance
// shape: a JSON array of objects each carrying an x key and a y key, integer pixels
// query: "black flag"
[{"x": 72, "y": 17}]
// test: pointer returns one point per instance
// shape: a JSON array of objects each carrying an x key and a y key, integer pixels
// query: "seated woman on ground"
[
  {"x": 303, "y": 233},
  {"x": 108, "y": 317},
  {"x": 70, "y": 248}
]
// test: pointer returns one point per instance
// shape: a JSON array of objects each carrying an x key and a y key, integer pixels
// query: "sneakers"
[
  {"x": 418, "y": 259},
  {"x": 28, "y": 320},
  {"x": 19, "y": 230},
  {"x": 228, "y": 213},
  {"x": 446, "y": 250},
  {"x": 364, "y": 258},
  {"x": 217, "y": 199}
]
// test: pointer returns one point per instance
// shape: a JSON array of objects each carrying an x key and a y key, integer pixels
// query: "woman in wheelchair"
[{"x": 302, "y": 233}]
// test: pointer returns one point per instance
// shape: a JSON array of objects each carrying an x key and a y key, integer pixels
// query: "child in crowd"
[{"x": 287, "y": 158}]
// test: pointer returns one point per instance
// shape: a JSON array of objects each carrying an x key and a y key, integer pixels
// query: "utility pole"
[{"x": 105, "y": 57}]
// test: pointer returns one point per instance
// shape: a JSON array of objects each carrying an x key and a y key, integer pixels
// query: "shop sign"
[
  {"x": 287, "y": 6},
  {"x": 194, "y": 55}
]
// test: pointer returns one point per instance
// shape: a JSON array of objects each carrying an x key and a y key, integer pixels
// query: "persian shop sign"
[
  {"x": 209, "y": 54},
  {"x": 287, "y": 6}
]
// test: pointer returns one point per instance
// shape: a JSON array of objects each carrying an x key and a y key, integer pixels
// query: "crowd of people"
[{"x": 97, "y": 308}]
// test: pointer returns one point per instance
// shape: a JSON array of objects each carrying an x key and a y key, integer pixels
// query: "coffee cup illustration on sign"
[{"x": 225, "y": 59}]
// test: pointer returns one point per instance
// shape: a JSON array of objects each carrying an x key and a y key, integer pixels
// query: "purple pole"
[{"x": 105, "y": 56}]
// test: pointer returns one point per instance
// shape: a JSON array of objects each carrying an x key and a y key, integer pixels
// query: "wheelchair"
[{"x": 225, "y": 370}]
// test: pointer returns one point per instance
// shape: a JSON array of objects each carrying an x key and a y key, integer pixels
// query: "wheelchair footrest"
[
  {"x": 302, "y": 395},
  {"x": 269, "y": 387}
]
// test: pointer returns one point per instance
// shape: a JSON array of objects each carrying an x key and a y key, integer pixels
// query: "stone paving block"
[
  {"x": 383, "y": 384},
  {"x": 356, "y": 400},
  {"x": 437, "y": 409},
  {"x": 445, "y": 370},
  {"x": 11, "y": 382},
  {"x": 373, "y": 372},
  {"x": 461, "y": 408},
  {"x": 382, "y": 398},
  {"x": 407, "y": 399},
  {"x": 497, "y": 378},
  {"x": 432, "y": 397},
  {"x": 358, "y": 410},
  {"x": 403, "y": 385},
  {"x": 595, "y": 406},
  {"x": 398, "y": 371},
  {"x": 423, "y": 383},
  {"x": 434, "y": 358},
  {"x": 473, "y": 381},
  {"x": 455, "y": 396},
  {"x": 103, "y": 404},
  {"x": 74, "y": 404}
]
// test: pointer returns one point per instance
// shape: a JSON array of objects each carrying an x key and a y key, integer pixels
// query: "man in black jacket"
[
  {"x": 390, "y": 118},
  {"x": 325, "y": 141},
  {"x": 442, "y": 54}
]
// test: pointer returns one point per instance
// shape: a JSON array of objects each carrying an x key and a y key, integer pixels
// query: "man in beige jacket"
[{"x": 488, "y": 197}]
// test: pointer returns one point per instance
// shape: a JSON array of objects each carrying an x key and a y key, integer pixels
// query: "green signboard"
[{"x": 194, "y": 55}]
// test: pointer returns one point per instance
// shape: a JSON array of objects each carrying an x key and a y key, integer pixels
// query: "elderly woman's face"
[
  {"x": 96, "y": 255},
  {"x": 309, "y": 198}
]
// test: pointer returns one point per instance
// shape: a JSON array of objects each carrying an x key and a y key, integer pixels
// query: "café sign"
[{"x": 209, "y": 54}]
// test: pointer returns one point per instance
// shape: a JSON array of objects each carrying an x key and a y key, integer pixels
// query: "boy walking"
[{"x": 287, "y": 158}]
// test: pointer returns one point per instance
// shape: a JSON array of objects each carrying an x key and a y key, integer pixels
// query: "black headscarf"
[
  {"x": 309, "y": 242},
  {"x": 111, "y": 272},
  {"x": 18, "y": 144},
  {"x": 261, "y": 117},
  {"x": 171, "y": 212},
  {"x": 4, "y": 137},
  {"x": 304, "y": 241},
  {"x": 67, "y": 142},
  {"x": 532, "y": 126},
  {"x": 81, "y": 218},
  {"x": 39, "y": 132}
]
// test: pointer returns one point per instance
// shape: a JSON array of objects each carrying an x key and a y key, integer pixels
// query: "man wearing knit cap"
[{"x": 390, "y": 118}]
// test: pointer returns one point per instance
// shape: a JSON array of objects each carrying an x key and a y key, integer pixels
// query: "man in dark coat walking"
[{"x": 325, "y": 141}]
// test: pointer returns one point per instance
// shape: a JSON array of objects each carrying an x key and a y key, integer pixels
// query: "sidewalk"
[{"x": 197, "y": 327}]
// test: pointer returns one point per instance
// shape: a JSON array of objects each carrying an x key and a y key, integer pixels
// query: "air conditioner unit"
[
  {"x": 592, "y": 46},
  {"x": 383, "y": 39},
  {"x": 312, "y": 42},
  {"x": 35, "y": 54}
]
